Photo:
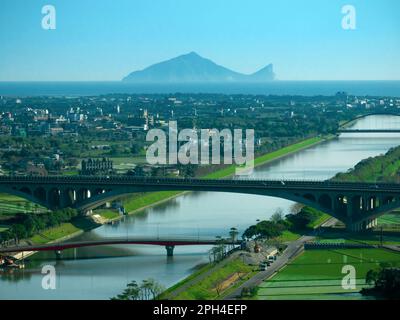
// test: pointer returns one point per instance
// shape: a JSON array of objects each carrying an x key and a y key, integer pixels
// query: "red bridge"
[{"x": 169, "y": 244}]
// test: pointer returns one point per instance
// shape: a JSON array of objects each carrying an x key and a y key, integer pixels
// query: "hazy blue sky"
[{"x": 107, "y": 39}]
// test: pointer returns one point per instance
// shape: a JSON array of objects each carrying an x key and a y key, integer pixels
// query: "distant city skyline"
[{"x": 105, "y": 40}]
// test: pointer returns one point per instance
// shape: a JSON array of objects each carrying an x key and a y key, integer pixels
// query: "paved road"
[{"x": 292, "y": 250}]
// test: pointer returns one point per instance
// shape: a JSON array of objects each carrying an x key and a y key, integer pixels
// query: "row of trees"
[
  {"x": 220, "y": 250},
  {"x": 149, "y": 289},
  {"x": 28, "y": 224}
]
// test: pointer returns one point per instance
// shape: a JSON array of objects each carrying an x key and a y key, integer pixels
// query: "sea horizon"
[{"x": 276, "y": 87}]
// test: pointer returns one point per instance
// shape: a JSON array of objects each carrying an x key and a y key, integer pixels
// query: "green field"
[
  {"x": 107, "y": 213},
  {"x": 390, "y": 218},
  {"x": 371, "y": 238},
  {"x": 10, "y": 205},
  {"x": 206, "y": 289},
  {"x": 51, "y": 234},
  {"x": 288, "y": 235},
  {"x": 141, "y": 201},
  {"x": 323, "y": 218},
  {"x": 317, "y": 274}
]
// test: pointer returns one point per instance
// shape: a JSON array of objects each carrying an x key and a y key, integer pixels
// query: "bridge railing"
[{"x": 124, "y": 180}]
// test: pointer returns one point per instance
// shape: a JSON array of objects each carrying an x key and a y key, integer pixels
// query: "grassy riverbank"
[
  {"x": 212, "y": 281},
  {"x": 382, "y": 168},
  {"x": 108, "y": 214},
  {"x": 142, "y": 201},
  {"x": 64, "y": 231}
]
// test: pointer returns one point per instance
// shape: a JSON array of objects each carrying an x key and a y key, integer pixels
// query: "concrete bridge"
[
  {"x": 346, "y": 126},
  {"x": 355, "y": 204},
  {"x": 168, "y": 243}
]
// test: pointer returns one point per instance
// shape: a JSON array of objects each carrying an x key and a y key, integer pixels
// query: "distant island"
[{"x": 192, "y": 68}]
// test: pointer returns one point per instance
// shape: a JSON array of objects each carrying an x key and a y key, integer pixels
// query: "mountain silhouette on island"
[{"x": 192, "y": 68}]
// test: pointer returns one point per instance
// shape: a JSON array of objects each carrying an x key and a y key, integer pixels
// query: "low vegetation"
[
  {"x": 218, "y": 282},
  {"x": 383, "y": 168},
  {"x": 286, "y": 227},
  {"x": 26, "y": 225},
  {"x": 386, "y": 282}
]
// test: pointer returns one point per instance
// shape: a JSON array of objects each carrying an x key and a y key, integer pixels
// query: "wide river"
[{"x": 103, "y": 272}]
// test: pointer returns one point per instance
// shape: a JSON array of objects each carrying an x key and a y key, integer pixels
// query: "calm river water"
[{"x": 103, "y": 272}]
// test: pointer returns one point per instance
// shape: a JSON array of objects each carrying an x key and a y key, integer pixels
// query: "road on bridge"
[{"x": 115, "y": 241}]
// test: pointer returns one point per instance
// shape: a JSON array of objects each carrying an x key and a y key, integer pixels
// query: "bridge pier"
[
  {"x": 170, "y": 250},
  {"x": 363, "y": 225},
  {"x": 58, "y": 254}
]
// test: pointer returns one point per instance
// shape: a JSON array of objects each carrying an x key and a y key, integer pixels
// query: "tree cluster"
[
  {"x": 28, "y": 224},
  {"x": 149, "y": 289},
  {"x": 386, "y": 281}
]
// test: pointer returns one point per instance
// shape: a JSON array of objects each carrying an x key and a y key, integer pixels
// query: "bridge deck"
[
  {"x": 181, "y": 183},
  {"x": 115, "y": 241}
]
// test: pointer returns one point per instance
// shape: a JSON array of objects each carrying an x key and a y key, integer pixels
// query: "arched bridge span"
[{"x": 356, "y": 204}]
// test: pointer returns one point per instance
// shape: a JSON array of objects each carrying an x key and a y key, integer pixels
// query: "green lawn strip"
[
  {"x": 389, "y": 238},
  {"x": 323, "y": 218},
  {"x": 3, "y": 228},
  {"x": 195, "y": 274},
  {"x": 65, "y": 229},
  {"x": 9, "y": 198},
  {"x": 320, "y": 271},
  {"x": 144, "y": 200},
  {"x": 54, "y": 233},
  {"x": 375, "y": 239},
  {"x": 205, "y": 288},
  {"x": 330, "y": 297},
  {"x": 10, "y": 204},
  {"x": 286, "y": 150},
  {"x": 389, "y": 218},
  {"x": 287, "y": 236},
  {"x": 107, "y": 213},
  {"x": 305, "y": 283}
]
